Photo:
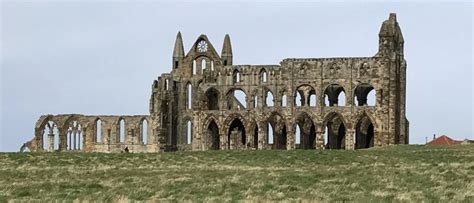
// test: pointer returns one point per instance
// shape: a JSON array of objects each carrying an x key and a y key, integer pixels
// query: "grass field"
[{"x": 396, "y": 173}]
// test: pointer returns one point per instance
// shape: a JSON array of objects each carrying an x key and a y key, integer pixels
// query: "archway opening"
[
  {"x": 50, "y": 137},
  {"x": 277, "y": 132},
  {"x": 122, "y": 130},
  {"x": 269, "y": 99},
  {"x": 144, "y": 131},
  {"x": 236, "y": 135},
  {"x": 307, "y": 131},
  {"x": 335, "y": 131},
  {"x": 364, "y": 95},
  {"x": 98, "y": 131},
  {"x": 364, "y": 133},
  {"x": 213, "y": 136},
  {"x": 334, "y": 95}
]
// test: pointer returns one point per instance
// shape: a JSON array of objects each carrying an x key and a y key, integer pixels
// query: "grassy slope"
[{"x": 394, "y": 173}]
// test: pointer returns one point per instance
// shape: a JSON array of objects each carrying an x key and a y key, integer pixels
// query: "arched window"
[
  {"x": 98, "y": 131},
  {"x": 364, "y": 95},
  {"x": 299, "y": 99},
  {"x": 269, "y": 134},
  {"x": 189, "y": 95},
  {"x": 269, "y": 98},
  {"x": 255, "y": 102},
  {"x": 122, "y": 130},
  {"x": 212, "y": 65},
  {"x": 167, "y": 84},
  {"x": 236, "y": 76},
  {"x": 144, "y": 129},
  {"x": 263, "y": 75},
  {"x": 284, "y": 100},
  {"x": 203, "y": 65},
  {"x": 298, "y": 135},
  {"x": 194, "y": 67},
  {"x": 334, "y": 95},
  {"x": 189, "y": 134}
]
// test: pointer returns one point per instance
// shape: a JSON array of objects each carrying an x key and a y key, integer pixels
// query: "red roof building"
[{"x": 443, "y": 140}]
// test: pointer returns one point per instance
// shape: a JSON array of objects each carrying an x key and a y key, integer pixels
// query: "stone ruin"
[{"x": 208, "y": 103}]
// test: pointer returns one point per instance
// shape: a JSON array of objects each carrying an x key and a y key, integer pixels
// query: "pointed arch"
[
  {"x": 269, "y": 98},
  {"x": 194, "y": 67},
  {"x": 307, "y": 131},
  {"x": 98, "y": 130},
  {"x": 203, "y": 65},
  {"x": 213, "y": 139},
  {"x": 121, "y": 130},
  {"x": 276, "y": 131},
  {"x": 364, "y": 135},
  {"x": 335, "y": 131},
  {"x": 144, "y": 130},
  {"x": 263, "y": 76},
  {"x": 236, "y": 135},
  {"x": 236, "y": 76}
]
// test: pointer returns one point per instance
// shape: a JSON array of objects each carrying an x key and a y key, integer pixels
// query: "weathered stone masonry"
[{"x": 206, "y": 102}]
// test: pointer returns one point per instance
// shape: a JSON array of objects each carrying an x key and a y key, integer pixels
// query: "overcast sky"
[{"x": 93, "y": 57}]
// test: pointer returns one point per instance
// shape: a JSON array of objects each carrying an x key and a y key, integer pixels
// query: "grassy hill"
[{"x": 400, "y": 173}]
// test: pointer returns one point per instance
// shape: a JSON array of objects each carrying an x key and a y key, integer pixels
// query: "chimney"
[{"x": 434, "y": 136}]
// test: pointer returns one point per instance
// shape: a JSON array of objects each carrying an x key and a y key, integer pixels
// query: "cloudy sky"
[{"x": 100, "y": 57}]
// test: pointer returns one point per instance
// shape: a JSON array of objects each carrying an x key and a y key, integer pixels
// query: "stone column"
[
  {"x": 290, "y": 141},
  {"x": 350, "y": 138},
  {"x": 74, "y": 140},
  {"x": 262, "y": 137},
  {"x": 223, "y": 140},
  {"x": 319, "y": 140},
  {"x": 69, "y": 137}
]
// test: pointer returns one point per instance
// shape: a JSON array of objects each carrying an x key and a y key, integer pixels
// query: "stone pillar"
[
  {"x": 350, "y": 139},
  {"x": 223, "y": 140},
  {"x": 74, "y": 140},
  {"x": 69, "y": 136},
  {"x": 262, "y": 137},
  {"x": 319, "y": 140},
  {"x": 290, "y": 139},
  {"x": 51, "y": 141}
]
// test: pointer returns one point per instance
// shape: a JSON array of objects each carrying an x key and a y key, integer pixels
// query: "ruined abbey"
[{"x": 207, "y": 102}]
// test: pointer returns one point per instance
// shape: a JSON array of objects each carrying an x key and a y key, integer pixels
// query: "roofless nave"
[{"x": 207, "y": 102}]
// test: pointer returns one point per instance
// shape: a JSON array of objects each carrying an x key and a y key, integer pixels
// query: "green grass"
[{"x": 396, "y": 173}]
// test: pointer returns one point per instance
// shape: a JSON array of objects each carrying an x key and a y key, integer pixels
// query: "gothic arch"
[
  {"x": 364, "y": 132},
  {"x": 307, "y": 131},
  {"x": 335, "y": 131},
  {"x": 279, "y": 130}
]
